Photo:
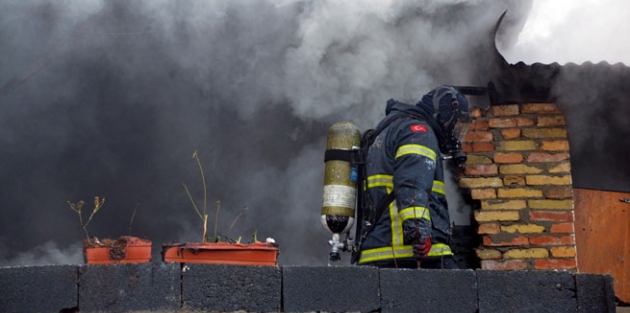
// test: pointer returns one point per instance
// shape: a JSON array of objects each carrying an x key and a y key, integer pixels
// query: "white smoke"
[
  {"x": 45, "y": 254},
  {"x": 573, "y": 31}
]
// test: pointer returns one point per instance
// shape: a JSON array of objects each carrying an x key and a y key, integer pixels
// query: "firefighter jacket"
[{"x": 405, "y": 159}]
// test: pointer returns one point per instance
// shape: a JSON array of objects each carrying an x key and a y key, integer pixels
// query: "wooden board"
[{"x": 602, "y": 234}]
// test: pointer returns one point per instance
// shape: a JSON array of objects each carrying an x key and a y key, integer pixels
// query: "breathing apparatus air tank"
[{"x": 340, "y": 183}]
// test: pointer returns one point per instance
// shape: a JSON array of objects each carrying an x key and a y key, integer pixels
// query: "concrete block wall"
[
  {"x": 330, "y": 289},
  {"x": 38, "y": 288},
  {"x": 227, "y": 288},
  {"x": 129, "y": 287},
  {"x": 222, "y": 288},
  {"x": 518, "y": 174}
]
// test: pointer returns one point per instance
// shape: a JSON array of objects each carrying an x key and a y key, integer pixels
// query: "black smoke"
[
  {"x": 111, "y": 99},
  {"x": 595, "y": 101}
]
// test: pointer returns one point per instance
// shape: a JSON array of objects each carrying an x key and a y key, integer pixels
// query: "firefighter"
[{"x": 405, "y": 178}]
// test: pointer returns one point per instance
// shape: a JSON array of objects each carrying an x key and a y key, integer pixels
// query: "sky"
[{"x": 573, "y": 31}]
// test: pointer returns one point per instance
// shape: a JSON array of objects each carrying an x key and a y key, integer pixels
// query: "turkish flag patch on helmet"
[{"x": 418, "y": 128}]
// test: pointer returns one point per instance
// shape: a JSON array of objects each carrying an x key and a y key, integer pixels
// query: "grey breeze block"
[
  {"x": 214, "y": 287},
  {"x": 526, "y": 291},
  {"x": 330, "y": 289},
  {"x": 424, "y": 290},
  {"x": 38, "y": 288},
  {"x": 129, "y": 287}
]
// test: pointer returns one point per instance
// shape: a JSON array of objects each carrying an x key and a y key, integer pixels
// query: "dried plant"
[
  {"x": 245, "y": 208},
  {"x": 77, "y": 207},
  {"x": 132, "y": 217},
  {"x": 216, "y": 220},
  {"x": 202, "y": 214}
]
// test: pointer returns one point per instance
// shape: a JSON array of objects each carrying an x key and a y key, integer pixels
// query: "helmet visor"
[{"x": 461, "y": 127}]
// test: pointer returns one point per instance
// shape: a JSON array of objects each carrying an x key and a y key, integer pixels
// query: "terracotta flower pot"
[
  {"x": 258, "y": 253},
  {"x": 125, "y": 249}
]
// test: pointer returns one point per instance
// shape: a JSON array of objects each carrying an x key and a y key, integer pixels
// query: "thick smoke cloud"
[
  {"x": 111, "y": 98},
  {"x": 565, "y": 31}
]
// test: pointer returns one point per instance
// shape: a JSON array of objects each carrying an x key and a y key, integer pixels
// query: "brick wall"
[{"x": 518, "y": 174}]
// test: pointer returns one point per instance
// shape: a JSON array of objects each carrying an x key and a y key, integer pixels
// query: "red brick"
[
  {"x": 562, "y": 228},
  {"x": 482, "y": 147},
  {"x": 479, "y": 125},
  {"x": 540, "y": 108},
  {"x": 551, "y": 216},
  {"x": 547, "y": 157},
  {"x": 476, "y": 113},
  {"x": 508, "y": 157},
  {"x": 489, "y": 228},
  {"x": 509, "y": 265},
  {"x": 478, "y": 136},
  {"x": 467, "y": 147},
  {"x": 511, "y": 133},
  {"x": 555, "y": 264},
  {"x": 522, "y": 121},
  {"x": 516, "y": 241},
  {"x": 558, "y": 192},
  {"x": 482, "y": 170},
  {"x": 551, "y": 240},
  {"x": 502, "y": 122}
]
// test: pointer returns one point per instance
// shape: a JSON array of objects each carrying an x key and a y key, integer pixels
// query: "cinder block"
[
  {"x": 526, "y": 291},
  {"x": 595, "y": 293},
  {"x": 38, "y": 288},
  {"x": 330, "y": 289},
  {"x": 418, "y": 290},
  {"x": 128, "y": 287},
  {"x": 213, "y": 287}
]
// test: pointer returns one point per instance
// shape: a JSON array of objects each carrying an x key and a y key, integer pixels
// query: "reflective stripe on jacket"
[{"x": 405, "y": 158}]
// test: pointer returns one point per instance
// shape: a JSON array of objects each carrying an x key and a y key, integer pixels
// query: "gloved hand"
[
  {"x": 421, "y": 248},
  {"x": 418, "y": 233}
]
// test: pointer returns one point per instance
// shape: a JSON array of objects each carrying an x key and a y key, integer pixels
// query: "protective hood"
[{"x": 449, "y": 109}]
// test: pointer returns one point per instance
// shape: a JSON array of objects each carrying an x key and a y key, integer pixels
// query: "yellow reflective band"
[
  {"x": 396, "y": 223},
  {"x": 381, "y": 180},
  {"x": 386, "y": 253},
  {"x": 438, "y": 187},
  {"x": 415, "y": 149},
  {"x": 440, "y": 249},
  {"x": 414, "y": 212}
]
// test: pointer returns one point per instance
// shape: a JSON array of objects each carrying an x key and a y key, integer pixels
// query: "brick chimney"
[{"x": 518, "y": 175}]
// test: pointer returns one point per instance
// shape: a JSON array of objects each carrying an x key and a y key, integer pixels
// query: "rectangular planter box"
[
  {"x": 258, "y": 253},
  {"x": 126, "y": 249}
]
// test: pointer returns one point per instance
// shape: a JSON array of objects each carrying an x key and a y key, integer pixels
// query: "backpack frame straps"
[
  {"x": 338, "y": 155},
  {"x": 366, "y": 141}
]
